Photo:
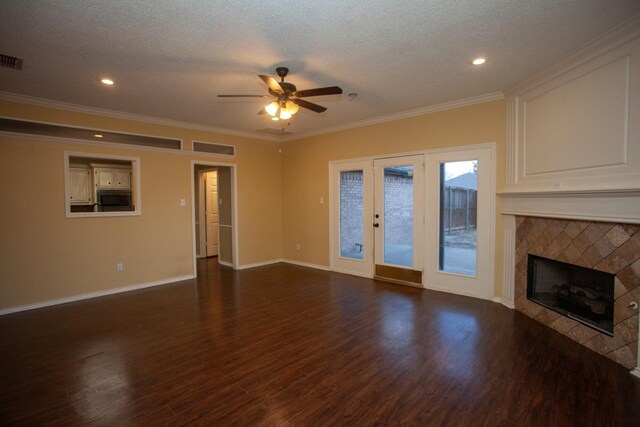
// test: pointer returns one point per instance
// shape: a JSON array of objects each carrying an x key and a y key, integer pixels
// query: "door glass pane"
[
  {"x": 398, "y": 215},
  {"x": 458, "y": 216},
  {"x": 351, "y": 214}
]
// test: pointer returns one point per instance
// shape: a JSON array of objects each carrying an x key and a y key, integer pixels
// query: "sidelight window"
[{"x": 458, "y": 216}]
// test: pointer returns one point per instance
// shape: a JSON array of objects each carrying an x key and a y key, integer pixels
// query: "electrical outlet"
[
  {"x": 297, "y": 246},
  {"x": 119, "y": 267}
]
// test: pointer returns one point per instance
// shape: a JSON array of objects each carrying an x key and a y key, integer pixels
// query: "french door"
[
  {"x": 351, "y": 206},
  {"x": 377, "y": 218},
  {"x": 398, "y": 218}
]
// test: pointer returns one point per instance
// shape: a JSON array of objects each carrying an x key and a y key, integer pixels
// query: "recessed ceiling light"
[
  {"x": 479, "y": 61},
  {"x": 107, "y": 82},
  {"x": 97, "y": 135}
]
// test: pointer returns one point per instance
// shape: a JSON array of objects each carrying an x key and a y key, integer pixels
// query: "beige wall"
[
  {"x": 306, "y": 168},
  {"x": 45, "y": 256}
]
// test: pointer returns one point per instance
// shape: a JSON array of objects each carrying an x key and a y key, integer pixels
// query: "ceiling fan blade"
[
  {"x": 309, "y": 105},
  {"x": 244, "y": 96},
  {"x": 262, "y": 111},
  {"x": 332, "y": 90},
  {"x": 272, "y": 83}
]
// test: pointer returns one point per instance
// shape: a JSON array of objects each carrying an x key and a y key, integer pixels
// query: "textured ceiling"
[{"x": 170, "y": 58}]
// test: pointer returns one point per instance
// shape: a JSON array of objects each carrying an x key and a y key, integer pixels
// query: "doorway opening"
[
  {"x": 215, "y": 213},
  {"x": 208, "y": 220}
]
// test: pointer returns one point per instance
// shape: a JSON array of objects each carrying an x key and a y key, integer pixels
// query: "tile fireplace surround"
[{"x": 605, "y": 246}]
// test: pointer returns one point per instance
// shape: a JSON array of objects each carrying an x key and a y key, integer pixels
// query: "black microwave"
[{"x": 114, "y": 200}]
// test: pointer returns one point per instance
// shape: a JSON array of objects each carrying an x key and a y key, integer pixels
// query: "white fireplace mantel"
[{"x": 617, "y": 205}]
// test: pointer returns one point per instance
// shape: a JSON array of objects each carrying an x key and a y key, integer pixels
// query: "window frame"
[{"x": 136, "y": 192}]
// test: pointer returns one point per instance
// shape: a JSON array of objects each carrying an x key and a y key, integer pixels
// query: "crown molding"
[
  {"x": 30, "y": 100},
  {"x": 481, "y": 99},
  {"x": 610, "y": 40},
  {"x": 42, "y": 102}
]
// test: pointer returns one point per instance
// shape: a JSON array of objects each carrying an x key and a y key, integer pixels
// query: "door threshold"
[{"x": 398, "y": 274}]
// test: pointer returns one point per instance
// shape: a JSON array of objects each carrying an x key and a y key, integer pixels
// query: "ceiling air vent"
[
  {"x": 10, "y": 62},
  {"x": 93, "y": 135},
  {"x": 211, "y": 148}
]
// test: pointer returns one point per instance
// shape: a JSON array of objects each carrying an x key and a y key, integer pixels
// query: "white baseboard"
[
  {"x": 306, "y": 264},
  {"x": 90, "y": 295},
  {"x": 259, "y": 264},
  {"x": 636, "y": 371},
  {"x": 456, "y": 292},
  {"x": 225, "y": 263},
  {"x": 287, "y": 261},
  {"x": 351, "y": 273},
  {"x": 504, "y": 302}
]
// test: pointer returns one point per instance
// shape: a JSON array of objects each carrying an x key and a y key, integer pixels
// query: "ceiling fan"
[{"x": 288, "y": 97}]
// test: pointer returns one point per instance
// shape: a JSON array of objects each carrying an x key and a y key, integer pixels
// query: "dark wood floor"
[{"x": 287, "y": 345}]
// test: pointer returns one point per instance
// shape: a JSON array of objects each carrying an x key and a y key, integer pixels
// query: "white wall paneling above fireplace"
[
  {"x": 579, "y": 124},
  {"x": 577, "y": 127},
  {"x": 573, "y": 135}
]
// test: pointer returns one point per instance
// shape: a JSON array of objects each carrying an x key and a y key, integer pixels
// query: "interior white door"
[
  {"x": 399, "y": 218},
  {"x": 351, "y": 207},
  {"x": 460, "y": 222},
  {"x": 212, "y": 216}
]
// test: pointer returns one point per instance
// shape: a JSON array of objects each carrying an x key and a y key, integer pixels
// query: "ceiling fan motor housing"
[
  {"x": 282, "y": 72},
  {"x": 288, "y": 89}
]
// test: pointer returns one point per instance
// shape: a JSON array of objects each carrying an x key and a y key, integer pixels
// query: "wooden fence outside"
[{"x": 460, "y": 208}]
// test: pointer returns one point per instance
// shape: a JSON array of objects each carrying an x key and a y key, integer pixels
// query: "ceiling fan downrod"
[{"x": 282, "y": 72}]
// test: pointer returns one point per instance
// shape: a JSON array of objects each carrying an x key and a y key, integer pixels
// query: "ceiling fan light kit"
[
  {"x": 272, "y": 108},
  {"x": 288, "y": 97}
]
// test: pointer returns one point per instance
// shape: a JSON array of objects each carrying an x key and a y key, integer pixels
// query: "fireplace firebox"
[{"x": 580, "y": 293}]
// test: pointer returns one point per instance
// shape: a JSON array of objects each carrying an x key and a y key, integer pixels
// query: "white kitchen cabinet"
[
  {"x": 81, "y": 188},
  {"x": 111, "y": 176},
  {"x": 122, "y": 178},
  {"x": 104, "y": 178}
]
